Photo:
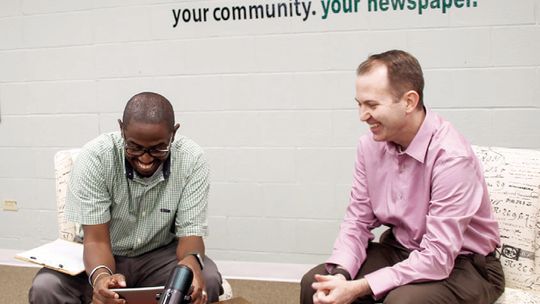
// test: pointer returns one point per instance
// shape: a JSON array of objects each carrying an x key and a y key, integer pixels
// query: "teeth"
[
  {"x": 373, "y": 126},
  {"x": 145, "y": 166}
]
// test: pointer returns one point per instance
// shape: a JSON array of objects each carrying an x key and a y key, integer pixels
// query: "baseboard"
[{"x": 261, "y": 271}]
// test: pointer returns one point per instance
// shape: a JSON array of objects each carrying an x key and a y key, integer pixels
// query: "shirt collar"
[{"x": 417, "y": 149}]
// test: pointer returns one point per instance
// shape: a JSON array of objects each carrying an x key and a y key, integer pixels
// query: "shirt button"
[
  {"x": 138, "y": 241},
  {"x": 144, "y": 213}
]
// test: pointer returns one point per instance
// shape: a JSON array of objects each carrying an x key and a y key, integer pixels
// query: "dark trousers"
[
  {"x": 475, "y": 279},
  {"x": 149, "y": 269}
]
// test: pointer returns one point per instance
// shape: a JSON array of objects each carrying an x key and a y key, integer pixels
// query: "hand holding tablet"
[{"x": 141, "y": 295}]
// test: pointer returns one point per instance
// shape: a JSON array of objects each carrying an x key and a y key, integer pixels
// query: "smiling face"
[
  {"x": 385, "y": 116},
  {"x": 146, "y": 136}
]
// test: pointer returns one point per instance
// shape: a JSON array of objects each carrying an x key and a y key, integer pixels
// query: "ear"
[
  {"x": 411, "y": 98},
  {"x": 176, "y": 127},
  {"x": 121, "y": 125}
]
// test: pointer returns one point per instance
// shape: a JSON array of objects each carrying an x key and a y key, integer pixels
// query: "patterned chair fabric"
[{"x": 513, "y": 180}]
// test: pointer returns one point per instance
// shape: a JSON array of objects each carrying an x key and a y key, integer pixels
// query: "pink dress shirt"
[{"x": 434, "y": 196}]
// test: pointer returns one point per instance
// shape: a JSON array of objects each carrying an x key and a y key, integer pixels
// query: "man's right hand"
[
  {"x": 98, "y": 256},
  {"x": 102, "y": 293}
]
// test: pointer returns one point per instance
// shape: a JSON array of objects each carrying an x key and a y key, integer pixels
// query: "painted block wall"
[{"x": 270, "y": 100}]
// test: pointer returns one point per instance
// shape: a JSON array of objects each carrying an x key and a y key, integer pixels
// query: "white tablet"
[{"x": 141, "y": 295}]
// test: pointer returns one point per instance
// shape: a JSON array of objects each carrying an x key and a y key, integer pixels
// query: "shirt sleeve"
[
  {"x": 456, "y": 195},
  {"x": 355, "y": 232},
  {"x": 88, "y": 200},
  {"x": 191, "y": 217}
]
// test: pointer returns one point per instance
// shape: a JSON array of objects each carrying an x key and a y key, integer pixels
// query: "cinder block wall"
[{"x": 270, "y": 100}]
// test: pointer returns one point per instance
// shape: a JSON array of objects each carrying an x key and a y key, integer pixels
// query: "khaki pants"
[
  {"x": 475, "y": 279},
  {"x": 150, "y": 269}
]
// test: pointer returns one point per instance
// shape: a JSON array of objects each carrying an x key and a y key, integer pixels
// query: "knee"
[
  {"x": 44, "y": 286},
  {"x": 306, "y": 291},
  {"x": 213, "y": 288},
  {"x": 309, "y": 277},
  {"x": 307, "y": 280},
  {"x": 212, "y": 279},
  {"x": 213, "y": 283}
]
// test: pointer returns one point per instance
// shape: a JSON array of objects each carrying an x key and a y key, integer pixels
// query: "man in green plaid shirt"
[{"x": 141, "y": 196}]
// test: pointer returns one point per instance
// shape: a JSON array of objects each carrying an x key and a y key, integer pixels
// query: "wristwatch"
[{"x": 198, "y": 257}]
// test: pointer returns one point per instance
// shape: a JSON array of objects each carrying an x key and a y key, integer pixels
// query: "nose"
[
  {"x": 146, "y": 158},
  {"x": 364, "y": 113}
]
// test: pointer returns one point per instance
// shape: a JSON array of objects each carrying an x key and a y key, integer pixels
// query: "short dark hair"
[
  {"x": 404, "y": 72},
  {"x": 149, "y": 107}
]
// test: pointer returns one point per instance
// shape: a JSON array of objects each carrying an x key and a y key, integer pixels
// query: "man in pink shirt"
[{"x": 416, "y": 174}]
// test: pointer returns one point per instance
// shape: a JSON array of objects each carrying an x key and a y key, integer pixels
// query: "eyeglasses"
[{"x": 137, "y": 151}]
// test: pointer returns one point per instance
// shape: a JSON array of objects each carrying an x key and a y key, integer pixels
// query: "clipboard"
[{"x": 60, "y": 255}]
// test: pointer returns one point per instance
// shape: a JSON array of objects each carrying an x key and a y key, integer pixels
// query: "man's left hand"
[
  {"x": 198, "y": 286},
  {"x": 198, "y": 294}
]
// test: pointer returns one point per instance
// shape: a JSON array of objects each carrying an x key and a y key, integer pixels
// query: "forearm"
[
  {"x": 349, "y": 250},
  {"x": 96, "y": 254},
  {"x": 350, "y": 245},
  {"x": 97, "y": 251},
  {"x": 420, "y": 266},
  {"x": 188, "y": 245},
  {"x": 361, "y": 288}
]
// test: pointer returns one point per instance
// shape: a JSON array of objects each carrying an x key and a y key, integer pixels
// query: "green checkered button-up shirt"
[{"x": 144, "y": 213}]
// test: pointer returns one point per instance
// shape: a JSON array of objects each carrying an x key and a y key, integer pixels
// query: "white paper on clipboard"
[{"x": 60, "y": 255}]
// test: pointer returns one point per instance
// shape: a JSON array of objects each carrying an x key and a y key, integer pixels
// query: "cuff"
[
  {"x": 336, "y": 269},
  {"x": 381, "y": 282},
  {"x": 349, "y": 264}
]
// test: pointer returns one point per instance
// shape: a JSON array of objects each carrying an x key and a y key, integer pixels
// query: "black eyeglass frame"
[{"x": 140, "y": 151}]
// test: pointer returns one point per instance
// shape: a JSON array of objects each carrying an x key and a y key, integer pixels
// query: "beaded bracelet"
[{"x": 94, "y": 270}]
